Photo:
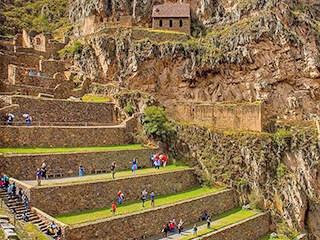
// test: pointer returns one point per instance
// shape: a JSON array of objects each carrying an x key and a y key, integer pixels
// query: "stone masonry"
[
  {"x": 23, "y": 166},
  {"x": 65, "y": 199},
  {"x": 150, "y": 222}
]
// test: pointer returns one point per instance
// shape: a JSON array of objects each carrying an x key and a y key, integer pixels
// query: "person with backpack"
[
  {"x": 134, "y": 166},
  {"x": 10, "y": 118},
  {"x": 120, "y": 197},
  {"x": 29, "y": 120},
  {"x": 43, "y": 170},
  {"x": 152, "y": 156}
]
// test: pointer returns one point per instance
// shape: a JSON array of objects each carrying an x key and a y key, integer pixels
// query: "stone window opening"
[
  {"x": 170, "y": 23},
  {"x": 180, "y": 23},
  {"x": 38, "y": 41},
  {"x": 160, "y": 23}
]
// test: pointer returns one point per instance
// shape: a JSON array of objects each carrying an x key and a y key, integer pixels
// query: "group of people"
[
  {"x": 32, "y": 74},
  {"x": 9, "y": 117},
  {"x": 144, "y": 198},
  {"x": 13, "y": 193},
  {"x": 158, "y": 159},
  {"x": 54, "y": 231},
  {"x": 41, "y": 173},
  {"x": 171, "y": 227}
]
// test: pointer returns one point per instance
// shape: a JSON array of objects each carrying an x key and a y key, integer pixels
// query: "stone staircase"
[{"x": 17, "y": 207}]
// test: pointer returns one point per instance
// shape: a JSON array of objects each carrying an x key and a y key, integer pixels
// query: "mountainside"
[{"x": 242, "y": 50}]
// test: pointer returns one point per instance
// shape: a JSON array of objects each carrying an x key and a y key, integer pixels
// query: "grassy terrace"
[
  {"x": 223, "y": 220},
  {"x": 77, "y": 218},
  {"x": 101, "y": 177},
  {"x": 68, "y": 149}
]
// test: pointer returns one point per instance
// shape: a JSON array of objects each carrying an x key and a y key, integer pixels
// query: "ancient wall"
[
  {"x": 50, "y": 67},
  {"x": 249, "y": 229},
  {"x": 150, "y": 222},
  {"x": 48, "y": 136},
  {"x": 143, "y": 33},
  {"x": 233, "y": 116},
  {"x": 65, "y": 199},
  {"x": 23, "y": 166},
  {"x": 64, "y": 112},
  {"x": 186, "y": 22},
  {"x": 239, "y": 116}
]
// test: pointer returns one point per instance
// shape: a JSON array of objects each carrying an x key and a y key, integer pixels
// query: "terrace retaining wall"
[
  {"x": 64, "y": 111},
  {"x": 22, "y": 166},
  {"x": 47, "y": 136},
  {"x": 150, "y": 222},
  {"x": 249, "y": 229},
  {"x": 84, "y": 196}
]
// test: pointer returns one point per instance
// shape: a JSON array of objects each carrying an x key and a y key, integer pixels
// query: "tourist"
[
  {"x": 195, "y": 230},
  {"x": 81, "y": 171},
  {"x": 164, "y": 160},
  {"x": 165, "y": 231},
  {"x": 120, "y": 197},
  {"x": 10, "y": 118},
  {"x": 134, "y": 166},
  {"x": 6, "y": 181},
  {"x": 58, "y": 234},
  {"x": 38, "y": 176},
  {"x": 204, "y": 216},
  {"x": 173, "y": 226},
  {"x": 20, "y": 194},
  {"x": 39, "y": 74},
  {"x": 152, "y": 156},
  {"x": 25, "y": 217},
  {"x": 26, "y": 202},
  {"x": 113, "y": 209},
  {"x": 152, "y": 199},
  {"x": 208, "y": 222},
  {"x": 180, "y": 226},
  {"x": 29, "y": 120},
  {"x": 43, "y": 170},
  {"x": 144, "y": 196},
  {"x": 12, "y": 190},
  {"x": 113, "y": 168},
  {"x": 31, "y": 73}
]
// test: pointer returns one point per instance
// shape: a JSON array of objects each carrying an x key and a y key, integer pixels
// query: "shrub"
[{"x": 156, "y": 124}]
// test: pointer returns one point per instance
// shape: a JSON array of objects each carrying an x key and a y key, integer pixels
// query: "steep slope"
[{"x": 249, "y": 50}]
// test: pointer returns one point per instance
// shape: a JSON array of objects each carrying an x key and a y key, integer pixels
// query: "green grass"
[
  {"x": 77, "y": 218},
  {"x": 121, "y": 174},
  {"x": 97, "y": 98},
  {"x": 225, "y": 219},
  {"x": 68, "y": 149}
]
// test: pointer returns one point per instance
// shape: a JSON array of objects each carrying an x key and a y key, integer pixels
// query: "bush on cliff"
[{"x": 156, "y": 124}]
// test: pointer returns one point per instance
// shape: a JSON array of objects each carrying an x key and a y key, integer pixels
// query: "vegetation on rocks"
[{"x": 40, "y": 15}]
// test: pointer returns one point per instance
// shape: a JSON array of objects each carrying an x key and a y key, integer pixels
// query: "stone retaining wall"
[
  {"x": 23, "y": 166},
  {"x": 77, "y": 197},
  {"x": 46, "y": 136},
  {"x": 249, "y": 229},
  {"x": 63, "y": 111},
  {"x": 150, "y": 222}
]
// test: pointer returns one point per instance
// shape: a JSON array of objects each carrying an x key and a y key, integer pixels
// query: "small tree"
[{"x": 156, "y": 124}]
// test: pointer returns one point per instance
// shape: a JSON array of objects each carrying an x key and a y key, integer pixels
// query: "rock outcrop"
[{"x": 252, "y": 50}]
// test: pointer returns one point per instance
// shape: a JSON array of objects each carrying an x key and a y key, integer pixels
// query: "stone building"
[{"x": 174, "y": 17}]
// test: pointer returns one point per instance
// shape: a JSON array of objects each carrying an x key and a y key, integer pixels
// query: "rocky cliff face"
[
  {"x": 281, "y": 169},
  {"x": 245, "y": 51}
]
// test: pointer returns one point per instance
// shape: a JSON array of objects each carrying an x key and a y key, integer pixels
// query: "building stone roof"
[{"x": 171, "y": 10}]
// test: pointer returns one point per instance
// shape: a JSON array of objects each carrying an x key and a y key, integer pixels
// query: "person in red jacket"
[
  {"x": 113, "y": 208},
  {"x": 164, "y": 160}
]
